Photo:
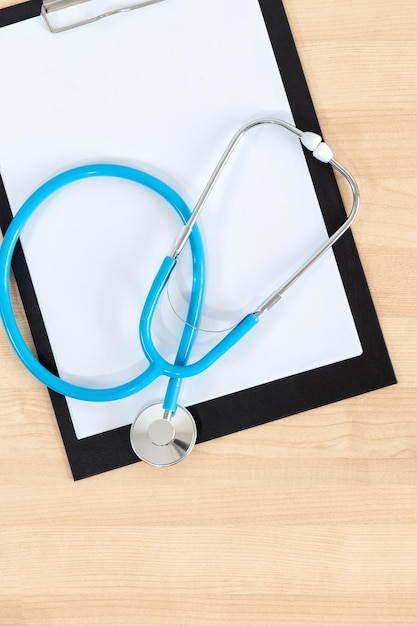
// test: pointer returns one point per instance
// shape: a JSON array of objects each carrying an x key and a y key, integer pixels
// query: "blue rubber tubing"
[{"x": 196, "y": 300}]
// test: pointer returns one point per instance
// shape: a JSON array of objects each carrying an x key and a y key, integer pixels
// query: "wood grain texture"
[{"x": 311, "y": 520}]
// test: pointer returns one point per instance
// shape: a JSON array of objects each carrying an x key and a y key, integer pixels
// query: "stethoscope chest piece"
[{"x": 162, "y": 441}]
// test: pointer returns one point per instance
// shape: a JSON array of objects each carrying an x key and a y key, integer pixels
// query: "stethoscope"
[{"x": 162, "y": 434}]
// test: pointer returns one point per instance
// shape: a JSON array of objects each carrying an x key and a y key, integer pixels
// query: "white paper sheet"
[{"x": 164, "y": 88}]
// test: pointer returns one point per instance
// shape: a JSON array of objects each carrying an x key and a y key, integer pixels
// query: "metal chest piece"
[{"x": 162, "y": 440}]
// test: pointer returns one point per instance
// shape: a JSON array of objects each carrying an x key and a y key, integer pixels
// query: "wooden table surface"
[{"x": 309, "y": 520}]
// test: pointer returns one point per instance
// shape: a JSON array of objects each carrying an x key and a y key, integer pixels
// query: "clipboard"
[{"x": 260, "y": 403}]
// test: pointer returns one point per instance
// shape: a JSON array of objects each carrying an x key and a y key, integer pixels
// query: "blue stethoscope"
[{"x": 162, "y": 434}]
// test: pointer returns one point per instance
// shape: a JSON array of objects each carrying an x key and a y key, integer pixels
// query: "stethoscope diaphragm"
[{"x": 163, "y": 441}]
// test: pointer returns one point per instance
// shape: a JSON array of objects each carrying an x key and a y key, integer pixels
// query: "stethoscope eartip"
[{"x": 162, "y": 439}]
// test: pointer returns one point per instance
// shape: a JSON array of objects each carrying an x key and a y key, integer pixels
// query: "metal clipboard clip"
[{"x": 51, "y": 6}]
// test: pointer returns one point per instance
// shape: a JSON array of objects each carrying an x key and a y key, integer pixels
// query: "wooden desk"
[{"x": 310, "y": 520}]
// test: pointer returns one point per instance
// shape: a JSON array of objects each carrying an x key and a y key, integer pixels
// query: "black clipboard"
[{"x": 265, "y": 403}]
